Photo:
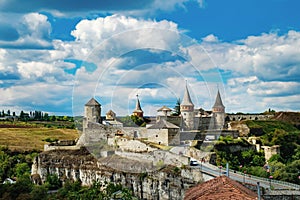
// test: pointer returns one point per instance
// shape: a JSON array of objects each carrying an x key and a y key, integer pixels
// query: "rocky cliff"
[{"x": 146, "y": 181}]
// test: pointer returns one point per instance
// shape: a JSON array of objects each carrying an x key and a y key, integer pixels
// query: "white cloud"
[
  {"x": 210, "y": 38},
  {"x": 35, "y": 69},
  {"x": 34, "y": 32},
  {"x": 2, "y": 54},
  {"x": 119, "y": 34},
  {"x": 263, "y": 68},
  {"x": 273, "y": 88},
  {"x": 268, "y": 56},
  {"x": 252, "y": 60}
]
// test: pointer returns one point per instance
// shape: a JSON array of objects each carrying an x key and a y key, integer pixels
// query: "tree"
[
  {"x": 53, "y": 182},
  {"x": 46, "y": 117},
  {"x": 176, "y": 111},
  {"x": 21, "y": 169},
  {"x": 52, "y": 118},
  {"x": 8, "y": 112},
  {"x": 39, "y": 192},
  {"x": 138, "y": 120}
]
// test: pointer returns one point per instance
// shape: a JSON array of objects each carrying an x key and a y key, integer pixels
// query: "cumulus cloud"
[
  {"x": 117, "y": 33},
  {"x": 210, "y": 38},
  {"x": 33, "y": 31},
  {"x": 263, "y": 69},
  {"x": 269, "y": 56}
]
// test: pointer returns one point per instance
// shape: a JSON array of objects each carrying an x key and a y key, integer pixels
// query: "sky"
[{"x": 56, "y": 55}]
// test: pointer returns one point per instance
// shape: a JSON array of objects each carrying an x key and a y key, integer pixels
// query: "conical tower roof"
[
  {"x": 218, "y": 102},
  {"x": 93, "y": 102},
  {"x": 138, "y": 105},
  {"x": 187, "y": 98}
]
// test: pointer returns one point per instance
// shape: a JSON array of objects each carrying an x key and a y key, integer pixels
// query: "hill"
[
  {"x": 290, "y": 117},
  {"x": 29, "y": 136}
]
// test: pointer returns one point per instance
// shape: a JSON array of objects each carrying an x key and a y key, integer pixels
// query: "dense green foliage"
[
  {"x": 139, "y": 121},
  {"x": 240, "y": 159},
  {"x": 268, "y": 127},
  {"x": 24, "y": 189},
  {"x": 131, "y": 121},
  {"x": 284, "y": 166},
  {"x": 15, "y": 164},
  {"x": 279, "y": 133},
  {"x": 96, "y": 191}
]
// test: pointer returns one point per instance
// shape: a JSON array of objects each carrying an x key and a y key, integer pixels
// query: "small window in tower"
[{"x": 156, "y": 136}]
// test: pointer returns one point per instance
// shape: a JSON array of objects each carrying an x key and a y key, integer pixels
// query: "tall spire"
[
  {"x": 138, "y": 104},
  {"x": 218, "y": 102},
  {"x": 187, "y": 98},
  {"x": 138, "y": 110}
]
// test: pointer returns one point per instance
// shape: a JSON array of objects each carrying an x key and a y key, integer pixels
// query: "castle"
[
  {"x": 165, "y": 128},
  {"x": 198, "y": 119}
]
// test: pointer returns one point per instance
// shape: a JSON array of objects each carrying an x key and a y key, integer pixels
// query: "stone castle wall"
[
  {"x": 125, "y": 144},
  {"x": 157, "y": 157}
]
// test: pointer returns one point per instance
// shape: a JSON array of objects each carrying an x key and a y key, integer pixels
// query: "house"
[
  {"x": 164, "y": 132},
  {"x": 220, "y": 187}
]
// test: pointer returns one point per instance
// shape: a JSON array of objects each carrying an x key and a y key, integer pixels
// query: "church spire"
[
  {"x": 138, "y": 104},
  {"x": 187, "y": 98},
  {"x": 138, "y": 110}
]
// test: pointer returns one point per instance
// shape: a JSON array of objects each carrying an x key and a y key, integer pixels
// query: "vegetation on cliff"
[
  {"x": 240, "y": 155},
  {"x": 17, "y": 165},
  {"x": 284, "y": 166}
]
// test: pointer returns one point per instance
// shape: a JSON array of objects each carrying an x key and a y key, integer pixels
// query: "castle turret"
[
  {"x": 138, "y": 110},
  {"x": 92, "y": 112},
  {"x": 187, "y": 110},
  {"x": 218, "y": 112}
]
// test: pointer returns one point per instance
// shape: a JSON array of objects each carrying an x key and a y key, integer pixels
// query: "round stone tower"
[
  {"x": 187, "y": 111},
  {"x": 92, "y": 112},
  {"x": 218, "y": 112}
]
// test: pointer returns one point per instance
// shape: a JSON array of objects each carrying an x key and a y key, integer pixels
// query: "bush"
[{"x": 53, "y": 182}]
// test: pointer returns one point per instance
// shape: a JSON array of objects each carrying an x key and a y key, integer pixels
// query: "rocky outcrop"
[{"x": 145, "y": 181}]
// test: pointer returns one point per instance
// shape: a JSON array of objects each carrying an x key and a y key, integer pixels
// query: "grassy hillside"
[
  {"x": 266, "y": 127},
  {"x": 278, "y": 133},
  {"x": 31, "y": 137}
]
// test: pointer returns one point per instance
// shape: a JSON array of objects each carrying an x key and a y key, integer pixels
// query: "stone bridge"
[{"x": 239, "y": 117}]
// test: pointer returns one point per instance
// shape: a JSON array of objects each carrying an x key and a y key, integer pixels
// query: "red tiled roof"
[{"x": 221, "y": 188}]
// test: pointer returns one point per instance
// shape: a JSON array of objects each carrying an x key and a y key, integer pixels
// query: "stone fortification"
[
  {"x": 96, "y": 132},
  {"x": 126, "y": 144},
  {"x": 158, "y": 157},
  {"x": 168, "y": 182}
]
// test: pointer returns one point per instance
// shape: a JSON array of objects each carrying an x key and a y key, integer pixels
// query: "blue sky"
[{"x": 56, "y": 55}]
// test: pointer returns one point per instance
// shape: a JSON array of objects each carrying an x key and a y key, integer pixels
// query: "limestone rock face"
[{"x": 168, "y": 182}]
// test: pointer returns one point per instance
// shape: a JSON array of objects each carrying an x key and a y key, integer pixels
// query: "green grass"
[{"x": 271, "y": 125}]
